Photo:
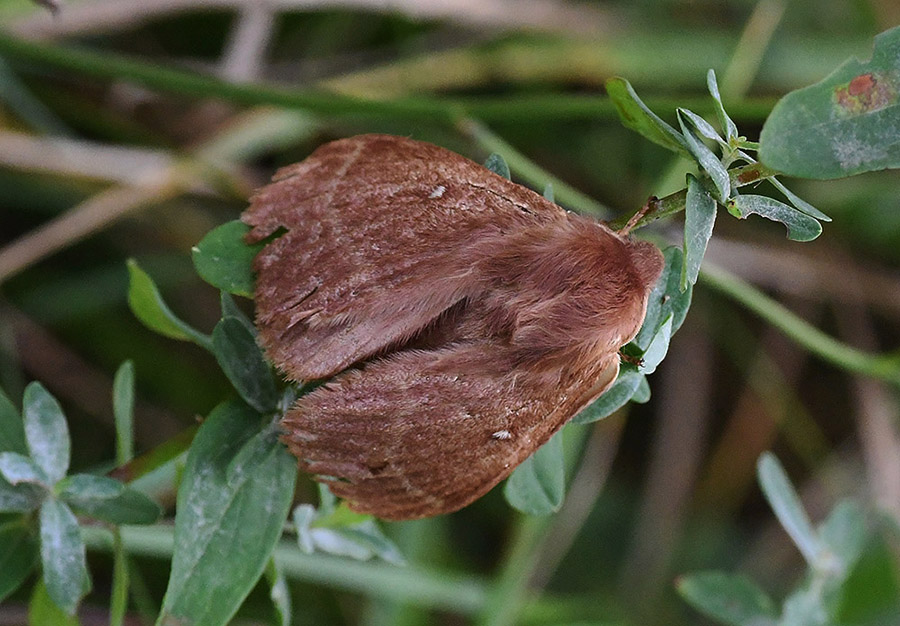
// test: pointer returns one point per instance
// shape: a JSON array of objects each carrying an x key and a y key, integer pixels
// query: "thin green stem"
[
  {"x": 530, "y": 172},
  {"x": 518, "y": 108},
  {"x": 119, "y": 596},
  {"x": 881, "y": 366},
  {"x": 438, "y": 590}
]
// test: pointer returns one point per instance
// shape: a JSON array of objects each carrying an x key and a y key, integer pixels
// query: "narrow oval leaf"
[
  {"x": 18, "y": 556},
  {"x": 538, "y": 485},
  {"x": 12, "y": 430},
  {"x": 46, "y": 432},
  {"x": 89, "y": 487},
  {"x": 730, "y": 599},
  {"x": 642, "y": 393},
  {"x": 148, "y": 306},
  {"x": 20, "y": 498},
  {"x": 658, "y": 348},
  {"x": 242, "y": 361},
  {"x": 731, "y": 131},
  {"x": 706, "y": 158},
  {"x": 497, "y": 164},
  {"x": 17, "y": 469},
  {"x": 699, "y": 219},
  {"x": 799, "y": 203},
  {"x": 224, "y": 261},
  {"x": 800, "y": 226},
  {"x": 123, "y": 411},
  {"x": 703, "y": 127},
  {"x": 62, "y": 556},
  {"x": 613, "y": 398},
  {"x": 666, "y": 298},
  {"x": 787, "y": 507},
  {"x": 229, "y": 516},
  {"x": 638, "y": 117},
  {"x": 129, "y": 507},
  {"x": 846, "y": 124},
  {"x": 844, "y": 534}
]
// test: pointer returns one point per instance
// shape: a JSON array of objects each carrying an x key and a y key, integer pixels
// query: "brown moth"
[{"x": 476, "y": 316}]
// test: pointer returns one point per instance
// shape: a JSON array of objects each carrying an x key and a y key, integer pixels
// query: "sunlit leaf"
[{"x": 730, "y": 128}]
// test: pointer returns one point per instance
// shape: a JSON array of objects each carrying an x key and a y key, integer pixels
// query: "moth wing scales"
[{"x": 370, "y": 245}]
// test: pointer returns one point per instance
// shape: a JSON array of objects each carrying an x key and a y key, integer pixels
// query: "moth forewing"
[{"x": 477, "y": 320}]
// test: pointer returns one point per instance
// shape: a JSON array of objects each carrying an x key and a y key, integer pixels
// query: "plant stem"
[
  {"x": 439, "y": 590},
  {"x": 530, "y": 172},
  {"x": 881, "y": 366}
]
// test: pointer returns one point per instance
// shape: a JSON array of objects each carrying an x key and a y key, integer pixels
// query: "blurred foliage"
[{"x": 106, "y": 127}]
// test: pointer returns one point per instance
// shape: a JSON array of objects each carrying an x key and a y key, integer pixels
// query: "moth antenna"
[{"x": 650, "y": 205}]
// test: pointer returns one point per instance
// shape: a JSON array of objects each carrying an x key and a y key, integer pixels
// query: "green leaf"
[
  {"x": 46, "y": 432},
  {"x": 799, "y": 203},
  {"x": 229, "y": 515},
  {"x": 706, "y": 158},
  {"x": 703, "y": 127},
  {"x": 800, "y": 226},
  {"x": 699, "y": 219},
  {"x": 786, "y": 504},
  {"x": 844, "y": 534},
  {"x": 642, "y": 394},
  {"x": 43, "y": 611},
  {"x": 18, "y": 556},
  {"x": 17, "y": 468},
  {"x": 148, "y": 306},
  {"x": 242, "y": 361},
  {"x": 730, "y": 599},
  {"x": 666, "y": 298},
  {"x": 12, "y": 430},
  {"x": 231, "y": 309},
  {"x": 89, "y": 487},
  {"x": 129, "y": 507},
  {"x": 20, "y": 498},
  {"x": 613, "y": 398},
  {"x": 497, "y": 164},
  {"x": 658, "y": 348},
  {"x": 730, "y": 128},
  {"x": 123, "y": 412},
  {"x": 638, "y": 117},
  {"x": 279, "y": 593},
  {"x": 358, "y": 537},
  {"x": 118, "y": 602},
  {"x": 538, "y": 485},
  {"x": 63, "y": 556},
  {"x": 224, "y": 261},
  {"x": 846, "y": 124},
  {"x": 548, "y": 192}
]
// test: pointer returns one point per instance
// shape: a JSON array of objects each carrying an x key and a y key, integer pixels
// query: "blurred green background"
[{"x": 105, "y": 154}]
